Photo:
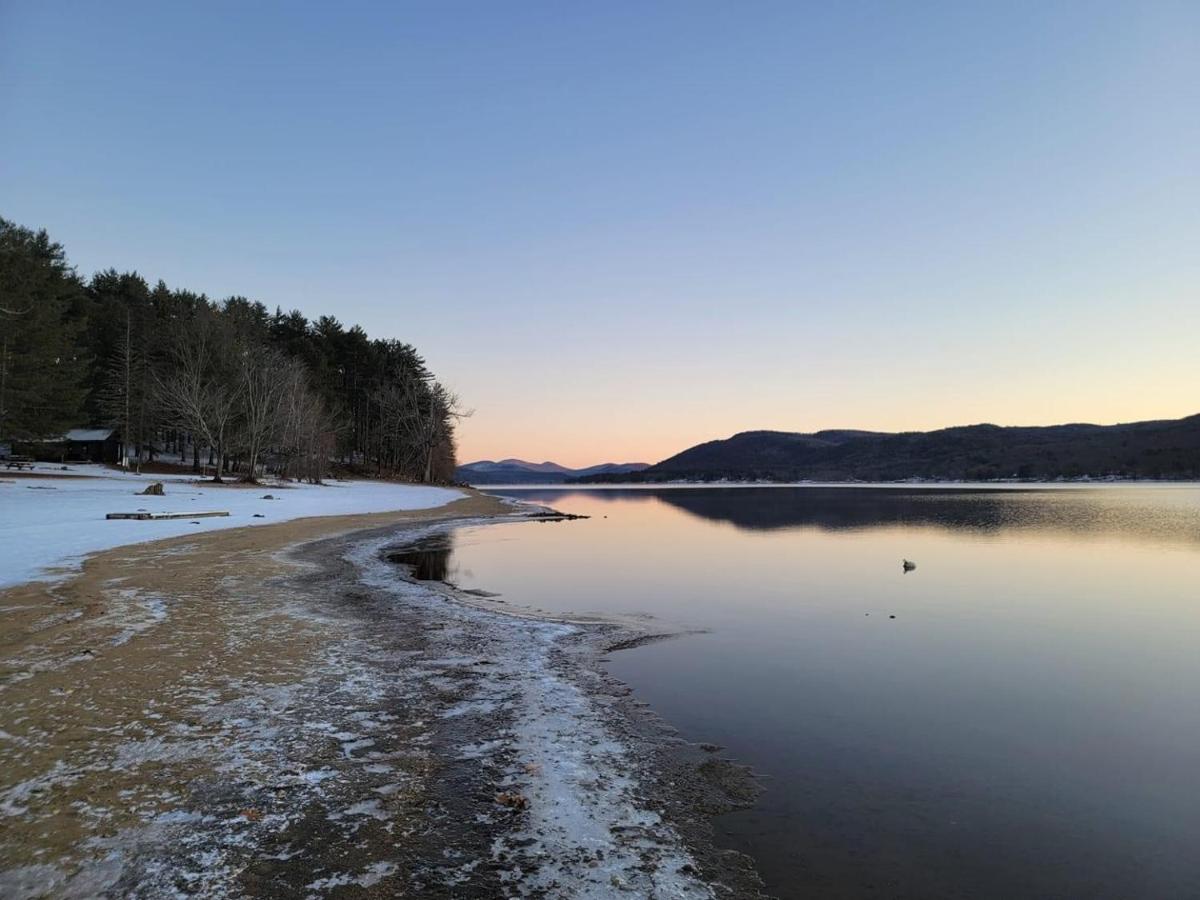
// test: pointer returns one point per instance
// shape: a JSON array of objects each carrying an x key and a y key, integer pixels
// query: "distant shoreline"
[{"x": 947, "y": 485}]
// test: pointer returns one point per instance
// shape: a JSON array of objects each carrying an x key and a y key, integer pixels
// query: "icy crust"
[
  {"x": 229, "y": 779},
  {"x": 585, "y": 828},
  {"x": 418, "y": 746}
]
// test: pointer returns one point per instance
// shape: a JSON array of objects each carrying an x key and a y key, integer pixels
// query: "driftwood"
[{"x": 156, "y": 516}]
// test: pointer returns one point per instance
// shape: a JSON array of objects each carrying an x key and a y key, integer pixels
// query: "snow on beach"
[
  {"x": 49, "y": 523},
  {"x": 347, "y": 728}
]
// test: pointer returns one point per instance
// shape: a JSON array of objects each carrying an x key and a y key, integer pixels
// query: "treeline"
[
  {"x": 1158, "y": 449},
  {"x": 227, "y": 385}
]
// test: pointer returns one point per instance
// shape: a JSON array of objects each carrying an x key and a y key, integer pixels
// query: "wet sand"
[{"x": 278, "y": 711}]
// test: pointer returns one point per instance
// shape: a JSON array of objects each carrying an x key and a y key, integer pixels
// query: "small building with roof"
[{"x": 101, "y": 445}]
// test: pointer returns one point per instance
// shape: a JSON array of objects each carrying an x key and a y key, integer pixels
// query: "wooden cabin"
[{"x": 101, "y": 445}]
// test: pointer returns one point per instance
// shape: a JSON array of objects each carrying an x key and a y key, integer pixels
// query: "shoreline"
[
  {"x": 999, "y": 485},
  {"x": 278, "y": 711},
  {"x": 53, "y": 522}
]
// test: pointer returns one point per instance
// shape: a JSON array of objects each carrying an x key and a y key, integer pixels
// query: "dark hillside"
[{"x": 1158, "y": 449}]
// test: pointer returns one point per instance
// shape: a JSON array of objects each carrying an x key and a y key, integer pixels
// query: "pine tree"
[
  {"x": 124, "y": 391},
  {"x": 41, "y": 364},
  {"x": 208, "y": 378}
]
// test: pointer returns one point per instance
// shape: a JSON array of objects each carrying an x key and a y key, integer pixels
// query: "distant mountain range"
[
  {"x": 518, "y": 471},
  {"x": 1158, "y": 449}
]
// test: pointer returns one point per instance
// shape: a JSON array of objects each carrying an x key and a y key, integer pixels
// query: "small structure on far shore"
[
  {"x": 93, "y": 444},
  {"x": 100, "y": 445}
]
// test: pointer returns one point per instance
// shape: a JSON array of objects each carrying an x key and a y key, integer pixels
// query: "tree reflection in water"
[{"x": 428, "y": 560}]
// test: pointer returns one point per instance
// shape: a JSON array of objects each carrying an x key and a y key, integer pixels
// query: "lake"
[{"x": 1019, "y": 716}]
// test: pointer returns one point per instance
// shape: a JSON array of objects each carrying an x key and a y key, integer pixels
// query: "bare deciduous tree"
[
  {"x": 261, "y": 397},
  {"x": 200, "y": 388},
  {"x": 306, "y": 435}
]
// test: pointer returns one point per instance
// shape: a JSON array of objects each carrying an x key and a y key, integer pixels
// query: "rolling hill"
[
  {"x": 518, "y": 471},
  {"x": 1157, "y": 449}
]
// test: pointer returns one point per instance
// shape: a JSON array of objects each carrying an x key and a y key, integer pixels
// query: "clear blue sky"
[{"x": 621, "y": 228}]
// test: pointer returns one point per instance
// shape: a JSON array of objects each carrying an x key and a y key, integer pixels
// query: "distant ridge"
[
  {"x": 1158, "y": 449},
  {"x": 518, "y": 471}
]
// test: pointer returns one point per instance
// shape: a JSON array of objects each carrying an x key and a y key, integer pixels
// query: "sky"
[{"x": 619, "y": 229}]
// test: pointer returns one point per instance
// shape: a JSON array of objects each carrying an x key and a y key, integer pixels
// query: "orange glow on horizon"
[{"x": 627, "y": 439}]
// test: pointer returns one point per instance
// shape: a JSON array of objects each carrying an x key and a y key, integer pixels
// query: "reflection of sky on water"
[
  {"x": 1161, "y": 512},
  {"x": 1027, "y": 725}
]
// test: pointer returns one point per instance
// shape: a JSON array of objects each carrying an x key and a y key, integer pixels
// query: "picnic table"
[{"x": 18, "y": 462}]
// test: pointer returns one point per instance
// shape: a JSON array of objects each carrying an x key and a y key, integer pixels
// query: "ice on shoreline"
[
  {"x": 587, "y": 830},
  {"x": 336, "y": 737}
]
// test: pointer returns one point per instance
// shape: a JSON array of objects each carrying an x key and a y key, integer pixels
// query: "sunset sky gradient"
[{"x": 618, "y": 229}]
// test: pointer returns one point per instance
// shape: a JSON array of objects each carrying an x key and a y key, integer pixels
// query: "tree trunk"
[
  {"x": 127, "y": 437},
  {"x": 3, "y": 383}
]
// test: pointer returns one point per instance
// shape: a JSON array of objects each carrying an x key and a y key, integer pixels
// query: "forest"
[
  {"x": 1163, "y": 449},
  {"x": 226, "y": 386}
]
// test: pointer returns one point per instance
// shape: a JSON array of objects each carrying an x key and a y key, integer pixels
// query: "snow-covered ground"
[{"x": 55, "y": 522}]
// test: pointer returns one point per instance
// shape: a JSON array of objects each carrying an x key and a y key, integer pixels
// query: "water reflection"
[
  {"x": 1026, "y": 726},
  {"x": 428, "y": 560},
  {"x": 1156, "y": 513}
]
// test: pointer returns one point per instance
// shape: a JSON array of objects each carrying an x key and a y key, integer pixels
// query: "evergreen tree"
[
  {"x": 119, "y": 311},
  {"x": 125, "y": 391},
  {"x": 41, "y": 364},
  {"x": 250, "y": 390}
]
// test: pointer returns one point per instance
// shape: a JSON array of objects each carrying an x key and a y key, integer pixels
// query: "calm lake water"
[{"x": 1027, "y": 726}]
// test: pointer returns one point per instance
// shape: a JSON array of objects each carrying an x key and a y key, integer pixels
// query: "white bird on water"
[{"x": 909, "y": 565}]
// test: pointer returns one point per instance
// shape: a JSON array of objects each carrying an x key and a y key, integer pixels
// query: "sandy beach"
[{"x": 280, "y": 711}]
